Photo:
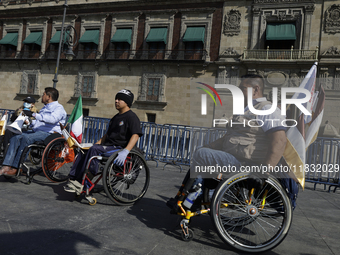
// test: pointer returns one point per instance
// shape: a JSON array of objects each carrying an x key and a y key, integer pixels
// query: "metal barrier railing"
[
  {"x": 175, "y": 144},
  {"x": 322, "y": 162}
]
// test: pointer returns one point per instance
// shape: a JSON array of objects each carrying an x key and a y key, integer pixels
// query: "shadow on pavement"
[{"x": 50, "y": 241}]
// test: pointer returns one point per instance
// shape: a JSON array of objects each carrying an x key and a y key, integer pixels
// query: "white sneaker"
[{"x": 74, "y": 187}]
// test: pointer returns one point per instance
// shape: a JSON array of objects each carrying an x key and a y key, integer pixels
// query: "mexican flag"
[{"x": 76, "y": 120}]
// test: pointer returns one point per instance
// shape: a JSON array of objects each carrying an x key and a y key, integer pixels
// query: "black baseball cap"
[{"x": 29, "y": 100}]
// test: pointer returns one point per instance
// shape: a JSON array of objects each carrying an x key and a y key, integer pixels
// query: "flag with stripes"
[
  {"x": 306, "y": 130},
  {"x": 76, "y": 119}
]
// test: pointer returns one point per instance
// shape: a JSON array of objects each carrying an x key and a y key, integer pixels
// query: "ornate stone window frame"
[
  {"x": 159, "y": 20},
  {"x": 24, "y": 82},
  {"x": 77, "y": 90},
  {"x": 10, "y": 28},
  {"x": 117, "y": 24},
  {"x": 36, "y": 27},
  {"x": 188, "y": 20},
  {"x": 143, "y": 88},
  {"x": 298, "y": 12},
  {"x": 89, "y": 22}
]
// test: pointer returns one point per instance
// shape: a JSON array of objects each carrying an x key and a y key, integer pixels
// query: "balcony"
[
  {"x": 7, "y": 54},
  {"x": 280, "y": 55},
  {"x": 87, "y": 54},
  {"x": 190, "y": 55},
  {"x": 30, "y": 54},
  {"x": 53, "y": 54}
]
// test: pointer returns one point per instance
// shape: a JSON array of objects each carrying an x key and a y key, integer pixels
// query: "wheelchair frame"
[
  {"x": 44, "y": 150},
  {"x": 249, "y": 220},
  {"x": 124, "y": 185}
]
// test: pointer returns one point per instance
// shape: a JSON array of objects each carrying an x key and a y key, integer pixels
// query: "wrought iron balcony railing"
[
  {"x": 7, "y": 54},
  {"x": 280, "y": 55},
  {"x": 156, "y": 54}
]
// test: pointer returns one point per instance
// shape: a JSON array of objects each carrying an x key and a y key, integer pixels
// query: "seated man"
[
  {"x": 262, "y": 145},
  {"x": 123, "y": 132},
  {"x": 46, "y": 122}
]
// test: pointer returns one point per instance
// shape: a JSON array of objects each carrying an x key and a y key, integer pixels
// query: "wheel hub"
[{"x": 252, "y": 210}]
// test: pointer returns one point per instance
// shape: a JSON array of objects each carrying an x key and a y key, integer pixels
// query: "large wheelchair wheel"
[
  {"x": 251, "y": 220},
  {"x": 126, "y": 184},
  {"x": 57, "y": 160}
]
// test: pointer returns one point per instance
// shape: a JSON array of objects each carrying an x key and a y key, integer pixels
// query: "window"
[
  {"x": 33, "y": 45},
  {"x": 194, "y": 41},
  {"x": 87, "y": 86},
  {"x": 151, "y": 117},
  {"x": 29, "y": 82},
  {"x": 86, "y": 112},
  {"x": 122, "y": 41},
  {"x": 89, "y": 42},
  {"x": 151, "y": 92},
  {"x": 9, "y": 42},
  {"x": 157, "y": 39},
  {"x": 280, "y": 35},
  {"x": 153, "y": 89}
]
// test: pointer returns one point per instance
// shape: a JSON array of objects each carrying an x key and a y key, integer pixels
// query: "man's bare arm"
[{"x": 277, "y": 144}]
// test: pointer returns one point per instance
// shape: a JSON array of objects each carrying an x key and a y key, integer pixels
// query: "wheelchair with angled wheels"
[
  {"x": 248, "y": 219},
  {"x": 124, "y": 185},
  {"x": 52, "y": 156}
]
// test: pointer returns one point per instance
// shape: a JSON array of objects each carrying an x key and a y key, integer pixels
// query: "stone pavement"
[{"x": 41, "y": 218}]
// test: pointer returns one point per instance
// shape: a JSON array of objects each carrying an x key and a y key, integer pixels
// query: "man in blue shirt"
[{"x": 46, "y": 122}]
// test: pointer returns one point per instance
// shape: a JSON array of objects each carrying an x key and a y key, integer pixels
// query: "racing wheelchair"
[
  {"x": 125, "y": 184},
  {"x": 248, "y": 219}
]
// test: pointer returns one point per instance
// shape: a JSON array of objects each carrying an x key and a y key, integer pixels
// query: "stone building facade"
[{"x": 163, "y": 51}]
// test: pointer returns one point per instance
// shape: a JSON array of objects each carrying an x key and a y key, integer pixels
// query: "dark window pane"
[
  {"x": 31, "y": 83},
  {"x": 87, "y": 86},
  {"x": 153, "y": 90}
]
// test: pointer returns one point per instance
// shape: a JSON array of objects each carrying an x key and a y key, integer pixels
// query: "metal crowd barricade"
[
  {"x": 94, "y": 129},
  {"x": 322, "y": 162}
]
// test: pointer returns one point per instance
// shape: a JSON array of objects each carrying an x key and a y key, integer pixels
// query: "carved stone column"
[
  {"x": 309, "y": 9},
  {"x": 255, "y": 27}
]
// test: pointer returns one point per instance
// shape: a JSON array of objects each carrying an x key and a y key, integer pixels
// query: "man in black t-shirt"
[{"x": 123, "y": 132}]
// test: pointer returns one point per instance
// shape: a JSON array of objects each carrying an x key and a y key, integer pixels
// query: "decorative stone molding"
[
  {"x": 294, "y": 80},
  {"x": 332, "y": 19},
  {"x": 232, "y": 23},
  {"x": 332, "y": 51},
  {"x": 230, "y": 52}
]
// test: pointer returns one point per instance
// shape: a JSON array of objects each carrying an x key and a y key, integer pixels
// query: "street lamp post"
[{"x": 65, "y": 39}]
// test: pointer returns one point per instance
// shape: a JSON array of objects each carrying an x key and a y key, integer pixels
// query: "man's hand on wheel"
[{"x": 120, "y": 159}]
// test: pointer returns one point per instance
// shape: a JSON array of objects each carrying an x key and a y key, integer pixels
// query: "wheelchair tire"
[
  {"x": 57, "y": 160},
  {"x": 255, "y": 225},
  {"x": 126, "y": 184}
]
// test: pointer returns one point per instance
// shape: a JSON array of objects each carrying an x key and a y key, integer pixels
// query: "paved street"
[{"x": 41, "y": 218}]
